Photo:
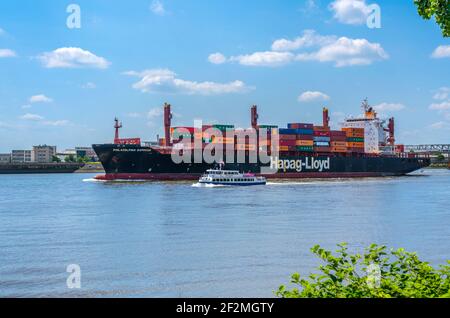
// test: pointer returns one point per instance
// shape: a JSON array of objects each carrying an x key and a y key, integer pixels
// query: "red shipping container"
[
  {"x": 322, "y": 133},
  {"x": 339, "y": 138},
  {"x": 321, "y": 128},
  {"x": 128, "y": 141},
  {"x": 338, "y": 133},
  {"x": 322, "y": 149},
  {"x": 300, "y": 126},
  {"x": 305, "y": 137},
  {"x": 288, "y": 137},
  {"x": 288, "y": 142}
]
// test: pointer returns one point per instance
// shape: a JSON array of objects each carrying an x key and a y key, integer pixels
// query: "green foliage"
[
  {"x": 439, "y": 9},
  {"x": 83, "y": 159},
  {"x": 441, "y": 157},
  {"x": 398, "y": 274},
  {"x": 69, "y": 158},
  {"x": 55, "y": 159}
]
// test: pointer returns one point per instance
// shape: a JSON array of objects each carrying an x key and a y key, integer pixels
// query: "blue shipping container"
[
  {"x": 321, "y": 144},
  {"x": 322, "y": 139},
  {"x": 284, "y": 131}
]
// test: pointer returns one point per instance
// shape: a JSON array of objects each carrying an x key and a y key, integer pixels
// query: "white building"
[
  {"x": 43, "y": 153},
  {"x": 5, "y": 158},
  {"x": 20, "y": 156}
]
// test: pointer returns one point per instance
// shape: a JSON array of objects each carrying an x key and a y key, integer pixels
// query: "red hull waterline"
[{"x": 189, "y": 176}]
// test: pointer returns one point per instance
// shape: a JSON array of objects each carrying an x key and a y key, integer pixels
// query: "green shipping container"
[
  {"x": 176, "y": 135},
  {"x": 354, "y": 139},
  {"x": 224, "y": 127},
  {"x": 267, "y": 127},
  {"x": 305, "y": 148}
]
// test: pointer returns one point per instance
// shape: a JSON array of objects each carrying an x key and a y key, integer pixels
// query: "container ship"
[{"x": 363, "y": 147}]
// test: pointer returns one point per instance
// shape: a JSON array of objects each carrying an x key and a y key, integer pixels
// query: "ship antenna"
[{"x": 365, "y": 105}]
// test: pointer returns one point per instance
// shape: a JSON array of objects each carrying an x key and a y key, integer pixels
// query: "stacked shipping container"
[
  {"x": 355, "y": 139},
  {"x": 298, "y": 137},
  {"x": 322, "y": 139}
]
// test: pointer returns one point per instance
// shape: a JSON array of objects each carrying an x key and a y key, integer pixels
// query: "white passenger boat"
[{"x": 230, "y": 178}]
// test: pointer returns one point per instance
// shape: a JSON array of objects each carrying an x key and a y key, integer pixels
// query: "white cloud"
[
  {"x": 442, "y": 51},
  {"x": 166, "y": 81},
  {"x": 7, "y": 53},
  {"x": 440, "y": 106},
  {"x": 268, "y": 58},
  {"x": 134, "y": 115},
  {"x": 442, "y": 93},
  {"x": 56, "y": 123},
  {"x": 389, "y": 107},
  {"x": 157, "y": 7},
  {"x": 89, "y": 85},
  {"x": 350, "y": 11},
  {"x": 440, "y": 125},
  {"x": 41, "y": 120},
  {"x": 32, "y": 117},
  {"x": 217, "y": 58},
  {"x": 41, "y": 98},
  {"x": 347, "y": 52},
  {"x": 72, "y": 57},
  {"x": 310, "y": 96},
  {"x": 341, "y": 51},
  {"x": 154, "y": 113},
  {"x": 309, "y": 38}
]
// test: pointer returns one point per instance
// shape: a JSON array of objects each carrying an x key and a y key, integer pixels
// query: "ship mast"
[
  {"x": 167, "y": 123},
  {"x": 117, "y": 126},
  {"x": 255, "y": 117}
]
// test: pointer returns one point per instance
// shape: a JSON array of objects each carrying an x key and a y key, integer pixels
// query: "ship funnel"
[
  {"x": 167, "y": 124},
  {"x": 255, "y": 117}
]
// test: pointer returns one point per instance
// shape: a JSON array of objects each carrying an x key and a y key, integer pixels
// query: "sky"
[{"x": 67, "y": 68}]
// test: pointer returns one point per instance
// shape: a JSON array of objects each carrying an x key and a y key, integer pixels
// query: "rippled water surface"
[{"x": 175, "y": 239}]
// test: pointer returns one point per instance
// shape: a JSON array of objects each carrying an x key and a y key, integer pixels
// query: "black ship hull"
[{"x": 146, "y": 163}]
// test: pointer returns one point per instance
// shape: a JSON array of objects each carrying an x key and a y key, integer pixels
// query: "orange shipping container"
[
  {"x": 284, "y": 148},
  {"x": 304, "y": 143},
  {"x": 355, "y": 144},
  {"x": 339, "y": 144},
  {"x": 339, "y": 149},
  {"x": 354, "y": 132}
]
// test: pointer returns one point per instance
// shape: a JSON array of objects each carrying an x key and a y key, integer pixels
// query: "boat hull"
[{"x": 132, "y": 162}]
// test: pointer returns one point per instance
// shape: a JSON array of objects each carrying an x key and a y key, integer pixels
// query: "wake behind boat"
[{"x": 230, "y": 178}]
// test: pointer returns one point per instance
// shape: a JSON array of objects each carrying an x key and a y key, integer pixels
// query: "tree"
[
  {"x": 439, "y": 9},
  {"x": 55, "y": 159},
  {"x": 378, "y": 273},
  {"x": 441, "y": 157},
  {"x": 70, "y": 158},
  {"x": 83, "y": 159}
]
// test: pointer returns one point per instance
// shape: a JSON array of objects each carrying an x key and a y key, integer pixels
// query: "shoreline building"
[
  {"x": 43, "y": 153},
  {"x": 21, "y": 156},
  {"x": 5, "y": 158}
]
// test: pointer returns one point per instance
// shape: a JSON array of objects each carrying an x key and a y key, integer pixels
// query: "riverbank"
[{"x": 91, "y": 167}]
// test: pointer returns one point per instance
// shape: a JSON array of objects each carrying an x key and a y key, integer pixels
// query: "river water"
[{"x": 134, "y": 239}]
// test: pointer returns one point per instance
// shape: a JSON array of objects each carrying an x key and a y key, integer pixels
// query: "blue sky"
[{"x": 64, "y": 86}]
